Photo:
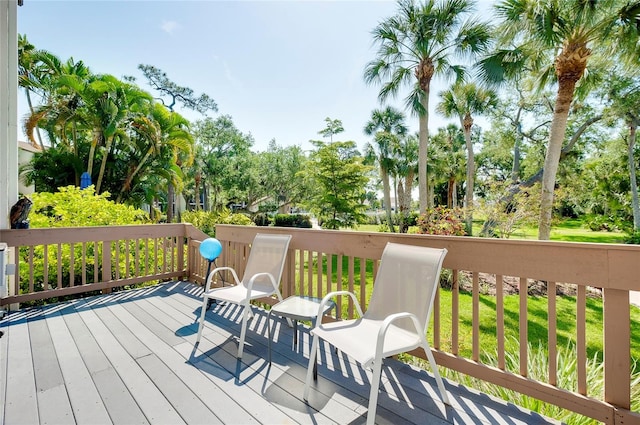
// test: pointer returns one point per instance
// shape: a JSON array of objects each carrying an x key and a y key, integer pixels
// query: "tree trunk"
[
  {"x": 451, "y": 186},
  {"x": 467, "y": 123},
  {"x": 170, "y": 202},
  {"x": 386, "y": 190},
  {"x": 552, "y": 157},
  {"x": 30, "y": 104},
  {"x": 569, "y": 65},
  {"x": 423, "y": 144},
  {"x": 103, "y": 165},
  {"x": 515, "y": 169},
  {"x": 633, "y": 125},
  {"x": 402, "y": 226}
]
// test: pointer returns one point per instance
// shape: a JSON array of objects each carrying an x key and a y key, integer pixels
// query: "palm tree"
[
  {"x": 416, "y": 45},
  {"x": 406, "y": 162},
  {"x": 556, "y": 39},
  {"x": 387, "y": 126},
  {"x": 464, "y": 100}
]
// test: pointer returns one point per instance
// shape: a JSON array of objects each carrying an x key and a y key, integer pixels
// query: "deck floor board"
[{"x": 130, "y": 358}]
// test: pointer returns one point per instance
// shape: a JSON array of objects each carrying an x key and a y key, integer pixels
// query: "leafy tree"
[
  {"x": 463, "y": 101},
  {"x": 159, "y": 81},
  {"x": 277, "y": 169},
  {"x": 416, "y": 45},
  {"x": 624, "y": 95},
  {"x": 448, "y": 158},
  {"x": 387, "y": 126},
  {"x": 333, "y": 127},
  {"x": 406, "y": 162},
  {"x": 224, "y": 152},
  {"x": 339, "y": 178},
  {"x": 556, "y": 39}
]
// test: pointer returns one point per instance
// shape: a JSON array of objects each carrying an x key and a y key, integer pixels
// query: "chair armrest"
[
  {"x": 257, "y": 275},
  {"x": 382, "y": 332},
  {"x": 331, "y": 295},
  {"x": 217, "y": 270}
]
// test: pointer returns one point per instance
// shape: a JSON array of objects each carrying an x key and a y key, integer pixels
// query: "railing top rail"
[
  {"x": 615, "y": 266},
  {"x": 27, "y": 237}
]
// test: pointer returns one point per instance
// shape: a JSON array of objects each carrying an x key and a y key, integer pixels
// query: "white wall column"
[{"x": 8, "y": 108}]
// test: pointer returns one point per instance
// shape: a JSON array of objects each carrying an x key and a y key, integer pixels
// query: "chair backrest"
[
  {"x": 406, "y": 282},
  {"x": 268, "y": 253}
]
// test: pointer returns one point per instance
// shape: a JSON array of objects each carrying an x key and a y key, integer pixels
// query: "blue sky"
[{"x": 277, "y": 67}]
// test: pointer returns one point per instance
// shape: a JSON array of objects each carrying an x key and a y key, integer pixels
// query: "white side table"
[{"x": 298, "y": 308}]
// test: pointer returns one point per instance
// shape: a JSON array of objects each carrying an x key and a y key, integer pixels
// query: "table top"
[{"x": 301, "y": 307}]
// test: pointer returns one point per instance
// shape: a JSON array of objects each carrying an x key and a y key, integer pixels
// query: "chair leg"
[
  {"x": 436, "y": 374},
  {"x": 373, "y": 395},
  {"x": 312, "y": 361},
  {"x": 203, "y": 312},
  {"x": 243, "y": 329}
]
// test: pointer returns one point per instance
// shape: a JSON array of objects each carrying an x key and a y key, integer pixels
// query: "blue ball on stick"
[{"x": 210, "y": 248}]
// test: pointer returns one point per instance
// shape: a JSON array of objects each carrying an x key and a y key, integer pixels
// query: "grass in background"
[{"x": 568, "y": 230}]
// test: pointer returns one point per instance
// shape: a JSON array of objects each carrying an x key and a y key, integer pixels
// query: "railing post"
[
  {"x": 106, "y": 265},
  {"x": 617, "y": 347}
]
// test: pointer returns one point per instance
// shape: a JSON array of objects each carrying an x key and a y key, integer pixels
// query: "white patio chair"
[
  {"x": 261, "y": 278},
  {"x": 396, "y": 320}
]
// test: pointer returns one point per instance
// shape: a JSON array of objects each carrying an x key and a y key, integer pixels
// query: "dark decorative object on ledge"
[{"x": 19, "y": 213}]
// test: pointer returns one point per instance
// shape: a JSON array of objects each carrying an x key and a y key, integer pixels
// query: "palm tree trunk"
[
  {"x": 103, "y": 165},
  {"x": 552, "y": 158},
  {"x": 170, "y": 202},
  {"x": 633, "y": 125},
  {"x": 423, "y": 145},
  {"x": 386, "y": 190},
  {"x": 30, "y": 104},
  {"x": 467, "y": 122}
]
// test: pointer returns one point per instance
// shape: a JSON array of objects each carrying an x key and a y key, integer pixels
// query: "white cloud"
[{"x": 169, "y": 26}]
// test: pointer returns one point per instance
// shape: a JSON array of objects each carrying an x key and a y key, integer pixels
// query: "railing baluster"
[
  {"x": 553, "y": 335},
  {"x": 581, "y": 339},
  {"x": 84, "y": 264},
  {"x": 30, "y": 269},
  {"x": 45, "y": 278},
  {"x": 59, "y": 268},
  {"x": 300, "y": 288},
  {"x": 127, "y": 258},
  {"x": 363, "y": 283},
  {"x": 329, "y": 272},
  {"x": 319, "y": 278},
  {"x": 96, "y": 261},
  {"x": 146, "y": 256},
  {"x": 351, "y": 272},
  {"x": 476, "y": 317},
  {"x": 155, "y": 255},
  {"x": 524, "y": 294},
  {"x": 72, "y": 265},
  {"x": 455, "y": 312},
  {"x": 117, "y": 259},
  {"x": 309, "y": 273},
  {"x": 500, "y": 319},
  {"x": 339, "y": 278}
]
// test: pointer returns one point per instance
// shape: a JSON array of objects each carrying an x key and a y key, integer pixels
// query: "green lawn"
[{"x": 568, "y": 230}]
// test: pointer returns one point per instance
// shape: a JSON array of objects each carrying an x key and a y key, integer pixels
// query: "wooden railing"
[
  {"x": 88, "y": 259},
  {"x": 609, "y": 270},
  {"x": 58, "y": 262}
]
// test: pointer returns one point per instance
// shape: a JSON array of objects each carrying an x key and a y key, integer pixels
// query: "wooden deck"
[{"x": 128, "y": 358}]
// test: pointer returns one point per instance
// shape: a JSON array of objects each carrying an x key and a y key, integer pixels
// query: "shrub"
[
  {"x": 74, "y": 207},
  {"x": 292, "y": 220},
  {"x": 442, "y": 221},
  {"x": 207, "y": 220},
  {"x": 633, "y": 238},
  {"x": 261, "y": 219}
]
